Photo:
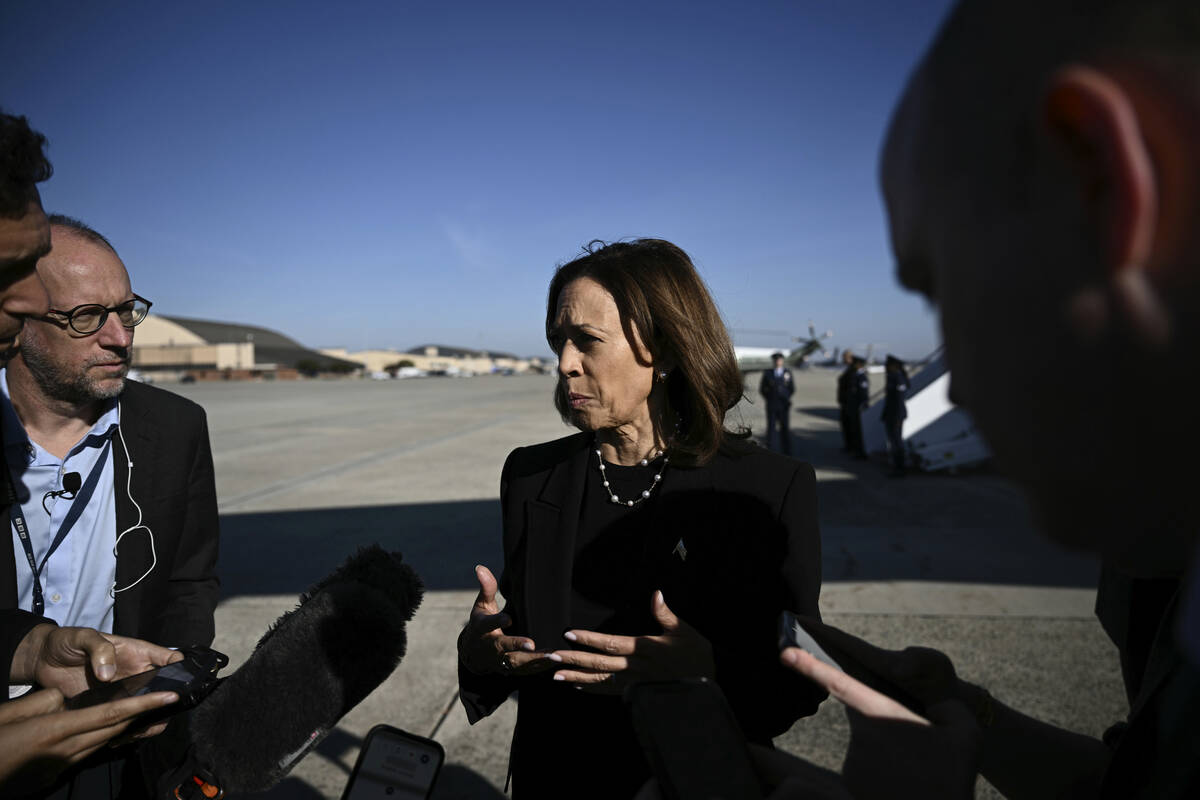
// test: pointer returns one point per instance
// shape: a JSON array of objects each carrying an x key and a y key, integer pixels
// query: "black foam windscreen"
[{"x": 313, "y": 665}]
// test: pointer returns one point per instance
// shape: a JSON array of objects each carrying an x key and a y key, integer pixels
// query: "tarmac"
[{"x": 307, "y": 471}]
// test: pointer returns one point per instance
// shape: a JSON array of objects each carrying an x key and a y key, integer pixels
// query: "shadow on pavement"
[
  {"x": 285, "y": 552},
  {"x": 454, "y": 781},
  {"x": 974, "y": 527},
  {"x": 457, "y": 781},
  {"x": 971, "y": 527},
  {"x": 824, "y": 412}
]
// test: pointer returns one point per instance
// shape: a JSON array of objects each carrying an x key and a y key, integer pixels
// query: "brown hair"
[{"x": 659, "y": 293}]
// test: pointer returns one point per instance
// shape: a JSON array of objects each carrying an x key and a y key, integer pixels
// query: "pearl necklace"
[{"x": 645, "y": 462}]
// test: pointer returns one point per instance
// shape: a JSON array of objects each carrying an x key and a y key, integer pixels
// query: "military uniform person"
[
  {"x": 776, "y": 387},
  {"x": 894, "y": 410},
  {"x": 858, "y": 394}
]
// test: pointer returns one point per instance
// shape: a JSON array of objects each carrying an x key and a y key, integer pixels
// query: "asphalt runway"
[{"x": 308, "y": 471}]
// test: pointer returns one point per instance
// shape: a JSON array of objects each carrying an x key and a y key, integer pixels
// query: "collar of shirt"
[
  {"x": 77, "y": 578},
  {"x": 16, "y": 439}
]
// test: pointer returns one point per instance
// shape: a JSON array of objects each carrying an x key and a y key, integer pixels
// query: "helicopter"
[{"x": 752, "y": 359}]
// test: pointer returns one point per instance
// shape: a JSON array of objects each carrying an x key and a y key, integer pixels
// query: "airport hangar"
[{"x": 170, "y": 348}]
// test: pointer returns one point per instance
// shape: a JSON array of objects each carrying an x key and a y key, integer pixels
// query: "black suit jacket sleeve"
[
  {"x": 765, "y": 696},
  {"x": 483, "y": 694},
  {"x": 173, "y": 484},
  {"x": 192, "y": 590}
]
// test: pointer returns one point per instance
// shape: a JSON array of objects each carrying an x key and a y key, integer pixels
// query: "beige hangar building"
[{"x": 170, "y": 347}]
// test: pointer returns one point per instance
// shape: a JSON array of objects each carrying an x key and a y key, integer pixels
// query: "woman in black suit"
[{"x": 654, "y": 544}]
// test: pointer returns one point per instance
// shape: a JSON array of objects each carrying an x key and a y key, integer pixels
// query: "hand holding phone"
[
  {"x": 894, "y": 752},
  {"x": 39, "y": 738},
  {"x": 933, "y": 678},
  {"x": 73, "y": 659},
  {"x": 853, "y": 693},
  {"x": 692, "y": 740},
  {"x": 394, "y": 765},
  {"x": 192, "y": 678}
]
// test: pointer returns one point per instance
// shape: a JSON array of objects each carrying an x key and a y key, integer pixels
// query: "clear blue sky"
[{"x": 387, "y": 174}]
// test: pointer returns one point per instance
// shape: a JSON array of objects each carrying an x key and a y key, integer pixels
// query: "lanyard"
[{"x": 77, "y": 507}]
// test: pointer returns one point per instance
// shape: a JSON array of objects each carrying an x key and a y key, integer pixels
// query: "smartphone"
[
  {"x": 395, "y": 765},
  {"x": 692, "y": 740},
  {"x": 192, "y": 679},
  {"x": 829, "y": 645}
]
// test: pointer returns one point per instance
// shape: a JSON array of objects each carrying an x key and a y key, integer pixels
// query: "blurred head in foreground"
[
  {"x": 24, "y": 231},
  {"x": 1044, "y": 197}
]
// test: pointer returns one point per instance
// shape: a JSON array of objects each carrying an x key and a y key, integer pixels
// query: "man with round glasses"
[{"x": 72, "y": 424}]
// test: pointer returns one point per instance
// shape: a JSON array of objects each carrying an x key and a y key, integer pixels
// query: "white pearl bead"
[
  {"x": 645, "y": 462},
  {"x": 606, "y": 483},
  {"x": 629, "y": 503},
  {"x": 657, "y": 478},
  {"x": 645, "y": 493},
  {"x": 616, "y": 499}
]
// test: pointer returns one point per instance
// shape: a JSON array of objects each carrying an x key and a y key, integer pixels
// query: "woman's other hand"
[
  {"x": 482, "y": 646},
  {"x": 678, "y": 652}
]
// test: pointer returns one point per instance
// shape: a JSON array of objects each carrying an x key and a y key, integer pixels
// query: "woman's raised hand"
[
  {"x": 482, "y": 646},
  {"x": 678, "y": 652}
]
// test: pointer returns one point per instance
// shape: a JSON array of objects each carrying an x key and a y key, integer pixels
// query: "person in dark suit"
[
  {"x": 845, "y": 383},
  {"x": 163, "y": 584},
  {"x": 654, "y": 544},
  {"x": 895, "y": 411},
  {"x": 776, "y": 387},
  {"x": 38, "y": 738},
  {"x": 858, "y": 395},
  {"x": 143, "y": 466}
]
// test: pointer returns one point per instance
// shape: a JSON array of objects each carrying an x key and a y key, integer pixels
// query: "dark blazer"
[
  {"x": 894, "y": 408},
  {"x": 14, "y": 623},
  {"x": 749, "y": 523},
  {"x": 173, "y": 483},
  {"x": 777, "y": 391}
]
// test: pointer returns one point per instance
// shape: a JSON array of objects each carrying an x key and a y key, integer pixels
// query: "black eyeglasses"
[{"x": 90, "y": 317}]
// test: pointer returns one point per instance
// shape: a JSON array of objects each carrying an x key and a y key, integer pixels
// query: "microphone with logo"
[{"x": 311, "y": 667}]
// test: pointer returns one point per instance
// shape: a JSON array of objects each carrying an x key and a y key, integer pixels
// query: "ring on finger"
[{"x": 505, "y": 663}]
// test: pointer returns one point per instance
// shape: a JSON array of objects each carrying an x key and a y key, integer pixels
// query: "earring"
[{"x": 662, "y": 375}]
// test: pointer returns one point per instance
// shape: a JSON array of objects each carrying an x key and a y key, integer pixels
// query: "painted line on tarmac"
[
  {"x": 288, "y": 484},
  {"x": 450, "y": 704}
]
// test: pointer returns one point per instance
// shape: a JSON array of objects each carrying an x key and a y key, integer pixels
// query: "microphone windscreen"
[
  {"x": 313, "y": 665},
  {"x": 72, "y": 482}
]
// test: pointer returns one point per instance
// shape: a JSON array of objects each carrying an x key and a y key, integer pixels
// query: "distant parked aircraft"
[{"x": 751, "y": 359}]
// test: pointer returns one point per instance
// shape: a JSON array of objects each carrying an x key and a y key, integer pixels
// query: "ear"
[{"x": 1095, "y": 118}]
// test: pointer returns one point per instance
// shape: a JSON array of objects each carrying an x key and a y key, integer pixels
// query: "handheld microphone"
[{"x": 310, "y": 668}]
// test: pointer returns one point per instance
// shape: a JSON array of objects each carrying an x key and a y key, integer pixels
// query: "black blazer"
[
  {"x": 173, "y": 482},
  {"x": 777, "y": 391},
  {"x": 749, "y": 523}
]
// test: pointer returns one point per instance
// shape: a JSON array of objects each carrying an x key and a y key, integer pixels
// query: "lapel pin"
[{"x": 680, "y": 550}]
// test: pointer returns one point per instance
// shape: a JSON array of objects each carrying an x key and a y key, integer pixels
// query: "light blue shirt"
[{"x": 79, "y": 575}]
